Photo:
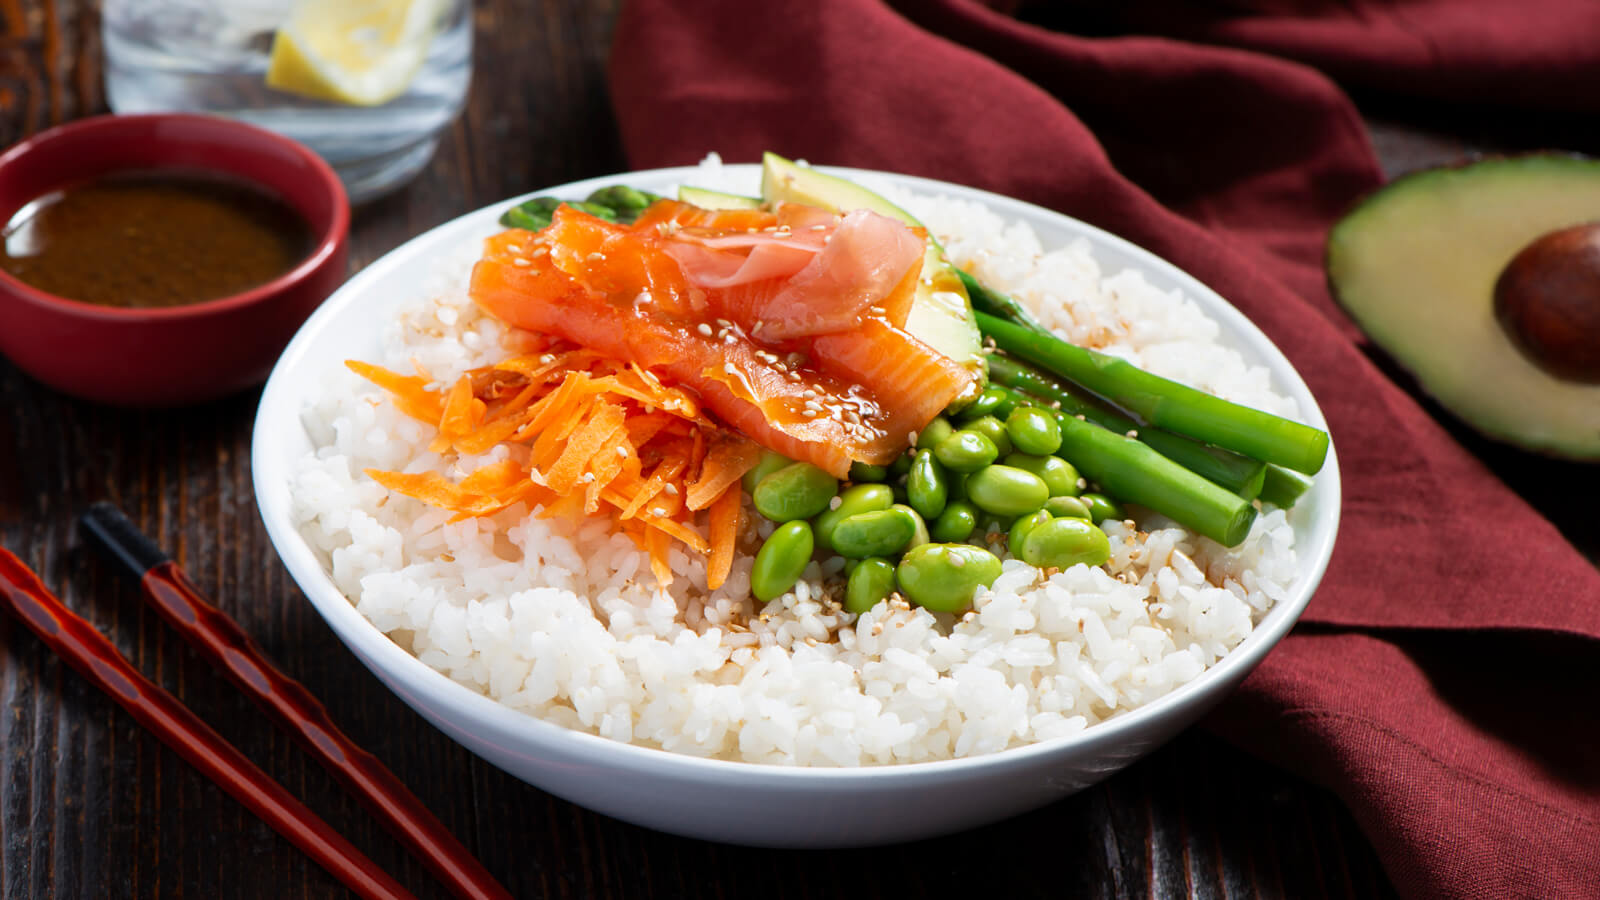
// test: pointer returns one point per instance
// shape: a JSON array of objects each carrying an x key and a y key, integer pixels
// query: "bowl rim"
[
  {"x": 107, "y": 126},
  {"x": 403, "y": 673}
]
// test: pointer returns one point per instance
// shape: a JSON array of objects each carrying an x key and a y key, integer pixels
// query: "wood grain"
[{"x": 92, "y": 807}]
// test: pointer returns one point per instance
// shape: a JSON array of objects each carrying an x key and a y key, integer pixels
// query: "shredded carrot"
[
  {"x": 589, "y": 430},
  {"x": 724, "y": 514}
]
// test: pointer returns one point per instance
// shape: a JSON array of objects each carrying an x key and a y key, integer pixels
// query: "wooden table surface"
[{"x": 92, "y": 806}]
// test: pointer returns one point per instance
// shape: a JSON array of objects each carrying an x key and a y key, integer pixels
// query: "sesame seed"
[
  {"x": 704, "y": 329},
  {"x": 671, "y": 490},
  {"x": 1132, "y": 433},
  {"x": 658, "y": 512},
  {"x": 519, "y": 261},
  {"x": 622, "y": 452},
  {"x": 588, "y": 478},
  {"x": 728, "y": 368},
  {"x": 836, "y": 502}
]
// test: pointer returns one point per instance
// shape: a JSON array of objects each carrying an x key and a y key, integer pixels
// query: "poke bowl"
[{"x": 597, "y": 663}]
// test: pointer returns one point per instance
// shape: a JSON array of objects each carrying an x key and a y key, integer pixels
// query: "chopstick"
[
  {"x": 98, "y": 660},
  {"x": 226, "y": 646}
]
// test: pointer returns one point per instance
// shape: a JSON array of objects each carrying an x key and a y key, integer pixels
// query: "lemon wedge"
[{"x": 358, "y": 52}]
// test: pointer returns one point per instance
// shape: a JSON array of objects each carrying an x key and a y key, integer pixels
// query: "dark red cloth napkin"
[{"x": 1443, "y": 681}]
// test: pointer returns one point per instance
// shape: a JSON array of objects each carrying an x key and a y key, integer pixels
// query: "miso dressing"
[{"x": 154, "y": 238}]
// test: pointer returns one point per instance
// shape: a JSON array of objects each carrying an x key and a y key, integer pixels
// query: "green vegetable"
[
  {"x": 1033, "y": 431},
  {"x": 796, "y": 491},
  {"x": 535, "y": 214},
  {"x": 1063, "y": 543},
  {"x": 900, "y": 466},
  {"x": 1023, "y": 525},
  {"x": 997, "y": 304},
  {"x": 993, "y": 429},
  {"x": 1167, "y": 404},
  {"x": 1283, "y": 487},
  {"x": 1064, "y": 507},
  {"x": 1007, "y": 490},
  {"x": 871, "y": 582},
  {"x": 936, "y": 431},
  {"x": 1101, "y": 507},
  {"x": 858, "y": 499},
  {"x": 626, "y": 203},
  {"x": 927, "y": 485},
  {"x": 966, "y": 452},
  {"x": 1239, "y": 474},
  {"x": 956, "y": 523},
  {"x": 1138, "y": 474},
  {"x": 919, "y": 535},
  {"x": 863, "y": 473},
  {"x": 877, "y": 533},
  {"x": 1059, "y": 475},
  {"x": 987, "y": 403},
  {"x": 770, "y": 462},
  {"x": 780, "y": 560},
  {"x": 944, "y": 577}
]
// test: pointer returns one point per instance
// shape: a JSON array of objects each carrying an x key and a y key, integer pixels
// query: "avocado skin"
[{"x": 1415, "y": 263}]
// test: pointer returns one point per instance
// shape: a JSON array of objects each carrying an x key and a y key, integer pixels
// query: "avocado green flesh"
[
  {"x": 705, "y": 198},
  {"x": 1416, "y": 263},
  {"x": 941, "y": 313}
]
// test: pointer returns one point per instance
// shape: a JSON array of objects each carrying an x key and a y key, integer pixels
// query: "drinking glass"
[{"x": 367, "y": 84}]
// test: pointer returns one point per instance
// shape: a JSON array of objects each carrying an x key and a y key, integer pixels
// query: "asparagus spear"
[
  {"x": 1283, "y": 487},
  {"x": 995, "y": 303},
  {"x": 1164, "y": 403},
  {"x": 1135, "y": 472},
  {"x": 1239, "y": 474}
]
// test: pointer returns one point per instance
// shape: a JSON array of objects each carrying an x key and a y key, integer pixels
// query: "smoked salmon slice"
[{"x": 833, "y": 381}]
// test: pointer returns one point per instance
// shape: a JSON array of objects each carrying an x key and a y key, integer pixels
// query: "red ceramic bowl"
[{"x": 174, "y": 355}]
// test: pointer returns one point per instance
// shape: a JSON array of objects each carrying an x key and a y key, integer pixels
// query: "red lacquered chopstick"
[
  {"x": 225, "y": 645},
  {"x": 98, "y": 660}
]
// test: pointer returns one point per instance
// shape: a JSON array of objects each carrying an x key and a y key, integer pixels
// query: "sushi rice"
[{"x": 562, "y": 620}]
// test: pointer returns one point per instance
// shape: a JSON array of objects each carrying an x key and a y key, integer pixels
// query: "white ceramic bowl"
[{"x": 737, "y": 802}]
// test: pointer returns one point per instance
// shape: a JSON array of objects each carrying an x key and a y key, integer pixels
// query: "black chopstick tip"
[{"x": 114, "y": 534}]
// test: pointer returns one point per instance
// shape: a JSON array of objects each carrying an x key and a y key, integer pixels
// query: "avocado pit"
[{"x": 1547, "y": 299}]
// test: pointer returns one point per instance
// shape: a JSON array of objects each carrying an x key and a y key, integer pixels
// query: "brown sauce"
[{"x": 153, "y": 239}]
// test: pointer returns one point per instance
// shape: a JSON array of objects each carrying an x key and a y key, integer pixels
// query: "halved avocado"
[
  {"x": 705, "y": 198},
  {"x": 1416, "y": 264},
  {"x": 941, "y": 313}
]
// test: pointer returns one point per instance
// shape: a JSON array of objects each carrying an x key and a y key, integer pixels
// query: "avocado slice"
[
  {"x": 705, "y": 198},
  {"x": 941, "y": 313},
  {"x": 1416, "y": 263}
]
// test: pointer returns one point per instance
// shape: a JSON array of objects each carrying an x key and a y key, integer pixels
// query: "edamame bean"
[
  {"x": 927, "y": 485},
  {"x": 770, "y": 462},
  {"x": 859, "y": 499},
  {"x": 986, "y": 403},
  {"x": 900, "y": 466},
  {"x": 877, "y": 533},
  {"x": 966, "y": 451},
  {"x": 1021, "y": 527},
  {"x": 1067, "y": 508},
  {"x": 870, "y": 583},
  {"x": 943, "y": 577},
  {"x": 937, "y": 430},
  {"x": 1101, "y": 507},
  {"x": 1033, "y": 431},
  {"x": 1060, "y": 476},
  {"x": 1063, "y": 543},
  {"x": 1007, "y": 490},
  {"x": 994, "y": 430},
  {"x": 919, "y": 534},
  {"x": 863, "y": 473},
  {"x": 956, "y": 523},
  {"x": 796, "y": 491},
  {"x": 781, "y": 559}
]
